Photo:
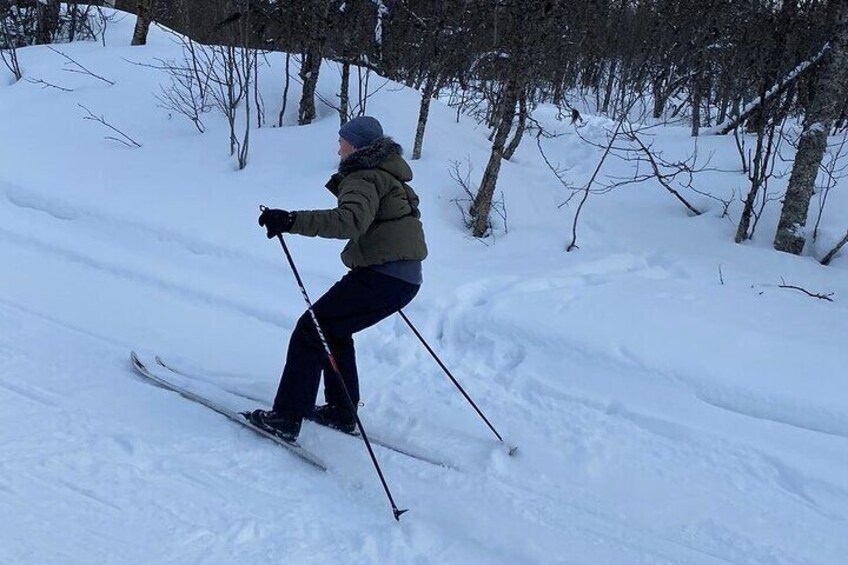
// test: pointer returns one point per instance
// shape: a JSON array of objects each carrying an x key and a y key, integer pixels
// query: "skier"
[{"x": 377, "y": 211}]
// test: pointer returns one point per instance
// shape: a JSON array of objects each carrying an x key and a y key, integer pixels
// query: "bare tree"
[
  {"x": 821, "y": 113},
  {"x": 285, "y": 91},
  {"x": 483, "y": 199},
  {"x": 144, "y": 12},
  {"x": 435, "y": 45},
  {"x": 832, "y": 170},
  {"x": 47, "y": 21},
  {"x": 11, "y": 37},
  {"x": 423, "y": 114},
  {"x": 42, "y": 22},
  {"x": 461, "y": 175},
  {"x": 774, "y": 92},
  {"x": 344, "y": 94},
  {"x": 525, "y": 26},
  {"x": 520, "y": 127},
  {"x": 9, "y": 54},
  {"x": 318, "y": 11},
  {"x": 188, "y": 93},
  {"x": 229, "y": 79},
  {"x": 760, "y": 166},
  {"x": 248, "y": 66}
]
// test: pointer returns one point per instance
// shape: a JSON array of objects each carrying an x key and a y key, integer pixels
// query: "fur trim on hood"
[{"x": 370, "y": 156}]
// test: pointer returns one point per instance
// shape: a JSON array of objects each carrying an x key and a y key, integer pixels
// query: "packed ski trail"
[
  {"x": 662, "y": 416},
  {"x": 149, "y": 372}
]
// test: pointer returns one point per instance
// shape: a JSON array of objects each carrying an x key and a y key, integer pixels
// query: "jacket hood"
[{"x": 383, "y": 154}]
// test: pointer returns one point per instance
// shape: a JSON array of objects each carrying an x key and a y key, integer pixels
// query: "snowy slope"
[{"x": 662, "y": 416}]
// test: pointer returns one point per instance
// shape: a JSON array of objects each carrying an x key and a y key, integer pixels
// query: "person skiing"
[{"x": 377, "y": 211}]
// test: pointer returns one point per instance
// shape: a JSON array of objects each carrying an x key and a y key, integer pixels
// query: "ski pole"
[
  {"x": 512, "y": 448},
  {"x": 397, "y": 512}
]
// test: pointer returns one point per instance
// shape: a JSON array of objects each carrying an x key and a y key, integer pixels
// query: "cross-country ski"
[
  {"x": 148, "y": 372},
  {"x": 396, "y": 446}
]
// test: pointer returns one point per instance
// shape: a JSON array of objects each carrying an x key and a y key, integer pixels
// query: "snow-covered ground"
[{"x": 665, "y": 413}]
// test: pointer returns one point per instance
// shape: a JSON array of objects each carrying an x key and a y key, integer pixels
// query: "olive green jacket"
[{"x": 377, "y": 211}]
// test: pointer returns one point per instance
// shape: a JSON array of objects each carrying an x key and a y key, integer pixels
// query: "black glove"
[{"x": 276, "y": 222}]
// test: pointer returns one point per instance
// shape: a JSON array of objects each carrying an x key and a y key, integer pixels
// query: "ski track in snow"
[
  {"x": 542, "y": 504},
  {"x": 780, "y": 413},
  {"x": 760, "y": 466},
  {"x": 504, "y": 358},
  {"x": 635, "y": 446},
  {"x": 546, "y": 504},
  {"x": 136, "y": 268}
]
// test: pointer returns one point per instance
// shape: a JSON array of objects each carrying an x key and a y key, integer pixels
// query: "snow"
[{"x": 664, "y": 412}]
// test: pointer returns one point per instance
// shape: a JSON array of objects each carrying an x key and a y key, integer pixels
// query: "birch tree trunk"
[
  {"x": 608, "y": 89},
  {"x": 743, "y": 231},
  {"x": 483, "y": 200},
  {"x": 423, "y": 115},
  {"x": 822, "y": 110},
  {"x": 660, "y": 97},
  {"x": 519, "y": 129},
  {"x": 344, "y": 94},
  {"x": 309, "y": 69},
  {"x": 697, "y": 86},
  {"x": 143, "y": 21},
  {"x": 285, "y": 92},
  {"x": 311, "y": 64}
]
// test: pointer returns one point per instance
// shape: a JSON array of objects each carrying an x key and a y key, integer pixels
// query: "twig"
[
  {"x": 807, "y": 292},
  {"x": 556, "y": 170},
  {"x": 720, "y": 275},
  {"x": 82, "y": 70},
  {"x": 464, "y": 182},
  {"x": 833, "y": 171},
  {"x": 661, "y": 178},
  {"x": 45, "y": 84},
  {"x": 128, "y": 141}
]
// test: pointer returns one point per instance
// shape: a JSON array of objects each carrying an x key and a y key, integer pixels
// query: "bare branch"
[
  {"x": 662, "y": 178},
  {"x": 555, "y": 169},
  {"x": 807, "y": 292},
  {"x": 664, "y": 171},
  {"x": 463, "y": 179},
  {"x": 79, "y": 68},
  {"x": 573, "y": 245},
  {"x": 45, "y": 84},
  {"x": 125, "y": 139},
  {"x": 833, "y": 170}
]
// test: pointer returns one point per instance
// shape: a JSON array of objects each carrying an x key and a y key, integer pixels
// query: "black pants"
[{"x": 359, "y": 300}]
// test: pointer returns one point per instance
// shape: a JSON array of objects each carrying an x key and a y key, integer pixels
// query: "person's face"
[{"x": 345, "y": 148}]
